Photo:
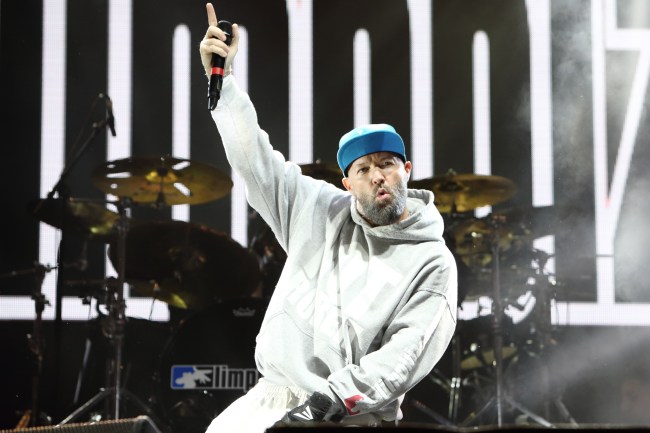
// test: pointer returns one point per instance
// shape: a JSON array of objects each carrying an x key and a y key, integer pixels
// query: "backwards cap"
[{"x": 368, "y": 139}]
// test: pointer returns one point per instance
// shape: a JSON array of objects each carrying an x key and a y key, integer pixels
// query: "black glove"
[{"x": 318, "y": 407}]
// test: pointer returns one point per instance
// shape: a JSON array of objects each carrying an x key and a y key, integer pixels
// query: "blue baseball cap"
[{"x": 367, "y": 139}]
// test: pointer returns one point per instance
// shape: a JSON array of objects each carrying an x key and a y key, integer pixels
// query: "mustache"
[{"x": 391, "y": 189}]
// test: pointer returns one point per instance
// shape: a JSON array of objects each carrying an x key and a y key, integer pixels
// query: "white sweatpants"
[{"x": 264, "y": 405}]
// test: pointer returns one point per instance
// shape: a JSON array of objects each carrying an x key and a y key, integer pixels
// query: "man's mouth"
[{"x": 382, "y": 193}]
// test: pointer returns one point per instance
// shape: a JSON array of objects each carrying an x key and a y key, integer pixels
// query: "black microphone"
[
  {"x": 216, "y": 74},
  {"x": 110, "y": 120}
]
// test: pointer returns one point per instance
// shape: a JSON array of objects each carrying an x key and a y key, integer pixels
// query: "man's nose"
[{"x": 378, "y": 176}]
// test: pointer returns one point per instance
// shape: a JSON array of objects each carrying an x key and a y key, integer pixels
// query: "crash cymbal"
[
  {"x": 465, "y": 192},
  {"x": 90, "y": 219},
  {"x": 162, "y": 180},
  {"x": 186, "y": 265},
  {"x": 324, "y": 171}
]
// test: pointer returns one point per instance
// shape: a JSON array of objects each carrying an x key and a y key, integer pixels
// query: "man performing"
[{"x": 366, "y": 303}]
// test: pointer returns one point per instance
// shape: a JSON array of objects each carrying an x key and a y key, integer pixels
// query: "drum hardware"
[
  {"x": 188, "y": 266},
  {"x": 545, "y": 292},
  {"x": 501, "y": 397},
  {"x": 270, "y": 255},
  {"x": 456, "y": 194},
  {"x": 328, "y": 172},
  {"x": 465, "y": 192},
  {"x": 208, "y": 362},
  {"x": 64, "y": 212},
  {"x": 479, "y": 352},
  {"x": 161, "y": 181},
  {"x": 113, "y": 328},
  {"x": 456, "y": 381},
  {"x": 34, "y": 416},
  {"x": 470, "y": 239},
  {"x": 86, "y": 217},
  {"x": 488, "y": 252},
  {"x": 419, "y": 405}
]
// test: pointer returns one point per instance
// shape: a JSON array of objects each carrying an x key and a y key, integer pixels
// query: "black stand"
[
  {"x": 113, "y": 327},
  {"x": 501, "y": 397},
  {"x": 35, "y": 339},
  {"x": 61, "y": 188},
  {"x": 456, "y": 380},
  {"x": 544, "y": 328}
]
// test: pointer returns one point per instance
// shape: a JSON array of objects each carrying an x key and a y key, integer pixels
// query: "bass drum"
[{"x": 208, "y": 363}]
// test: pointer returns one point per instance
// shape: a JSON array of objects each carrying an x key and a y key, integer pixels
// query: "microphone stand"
[{"x": 63, "y": 191}]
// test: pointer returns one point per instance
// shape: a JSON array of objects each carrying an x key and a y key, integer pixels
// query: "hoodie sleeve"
[
  {"x": 413, "y": 343},
  {"x": 274, "y": 187}
]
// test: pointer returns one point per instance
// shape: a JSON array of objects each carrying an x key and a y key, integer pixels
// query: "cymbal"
[
  {"x": 324, "y": 171},
  {"x": 476, "y": 336},
  {"x": 162, "y": 180},
  {"x": 465, "y": 192},
  {"x": 89, "y": 219},
  {"x": 481, "y": 358},
  {"x": 186, "y": 265},
  {"x": 470, "y": 240},
  {"x": 473, "y": 237}
]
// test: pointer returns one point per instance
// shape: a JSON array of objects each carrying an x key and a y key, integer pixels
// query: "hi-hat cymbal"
[
  {"x": 186, "y": 265},
  {"x": 89, "y": 219},
  {"x": 465, "y": 192},
  {"x": 471, "y": 241},
  {"x": 324, "y": 171},
  {"x": 162, "y": 180},
  {"x": 472, "y": 238}
]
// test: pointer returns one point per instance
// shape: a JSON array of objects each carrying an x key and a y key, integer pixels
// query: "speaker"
[{"x": 139, "y": 424}]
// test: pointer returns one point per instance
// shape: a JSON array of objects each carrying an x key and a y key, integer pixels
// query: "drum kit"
[
  {"x": 497, "y": 262},
  {"x": 185, "y": 265},
  {"x": 196, "y": 268}
]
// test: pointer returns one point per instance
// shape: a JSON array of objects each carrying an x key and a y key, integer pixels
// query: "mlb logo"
[{"x": 191, "y": 377}]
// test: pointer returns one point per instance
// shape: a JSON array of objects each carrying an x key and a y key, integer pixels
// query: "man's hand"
[
  {"x": 214, "y": 43},
  {"x": 318, "y": 407}
]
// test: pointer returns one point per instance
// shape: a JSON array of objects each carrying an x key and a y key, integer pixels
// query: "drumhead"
[{"x": 208, "y": 363}]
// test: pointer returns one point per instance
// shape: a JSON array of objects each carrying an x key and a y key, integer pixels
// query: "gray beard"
[{"x": 381, "y": 215}]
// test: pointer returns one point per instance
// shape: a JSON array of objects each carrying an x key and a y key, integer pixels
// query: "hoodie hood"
[{"x": 424, "y": 222}]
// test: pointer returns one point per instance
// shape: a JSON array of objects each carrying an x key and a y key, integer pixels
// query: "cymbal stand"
[
  {"x": 116, "y": 319},
  {"x": 113, "y": 327},
  {"x": 498, "y": 309},
  {"x": 544, "y": 329},
  {"x": 455, "y": 383},
  {"x": 456, "y": 380},
  {"x": 35, "y": 339}
]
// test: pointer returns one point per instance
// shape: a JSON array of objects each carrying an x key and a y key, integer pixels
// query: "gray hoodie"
[{"x": 359, "y": 313}]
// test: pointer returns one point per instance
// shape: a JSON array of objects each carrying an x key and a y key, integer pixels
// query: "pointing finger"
[{"x": 212, "y": 15}]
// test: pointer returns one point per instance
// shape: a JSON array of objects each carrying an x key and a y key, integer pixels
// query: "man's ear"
[
  {"x": 407, "y": 168},
  {"x": 346, "y": 183}
]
